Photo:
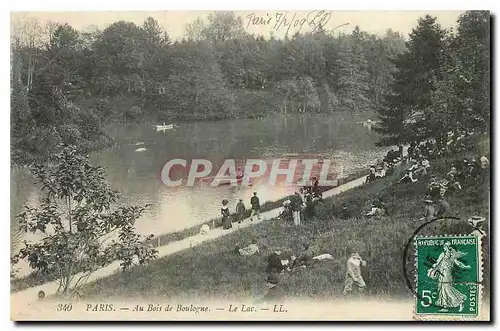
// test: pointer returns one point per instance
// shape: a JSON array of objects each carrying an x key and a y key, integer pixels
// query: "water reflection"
[{"x": 337, "y": 137}]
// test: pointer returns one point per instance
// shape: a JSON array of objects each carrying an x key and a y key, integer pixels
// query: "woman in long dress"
[
  {"x": 448, "y": 296},
  {"x": 226, "y": 220}
]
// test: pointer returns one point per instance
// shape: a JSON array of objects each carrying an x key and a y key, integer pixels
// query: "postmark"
[{"x": 448, "y": 276}]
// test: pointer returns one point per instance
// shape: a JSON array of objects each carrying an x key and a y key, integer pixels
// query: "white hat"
[{"x": 474, "y": 220}]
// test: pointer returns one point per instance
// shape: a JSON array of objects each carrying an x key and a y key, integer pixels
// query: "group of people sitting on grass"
[
  {"x": 386, "y": 167},
  {"x": 277, "y": 264}
]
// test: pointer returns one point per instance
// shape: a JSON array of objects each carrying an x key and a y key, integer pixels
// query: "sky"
[{"x": 266, "y": 22}]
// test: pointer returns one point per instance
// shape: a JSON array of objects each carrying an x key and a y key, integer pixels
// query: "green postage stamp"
[{"x": 448, "y": 276}]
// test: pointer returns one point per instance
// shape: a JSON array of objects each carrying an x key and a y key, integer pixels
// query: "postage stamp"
[{"x": 448, "y": 276}]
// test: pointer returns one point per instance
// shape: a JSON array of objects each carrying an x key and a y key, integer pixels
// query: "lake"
[{"x": 340, "y": 137}]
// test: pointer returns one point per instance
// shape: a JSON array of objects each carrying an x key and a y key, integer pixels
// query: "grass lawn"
[{"x": 214, "y": 270}]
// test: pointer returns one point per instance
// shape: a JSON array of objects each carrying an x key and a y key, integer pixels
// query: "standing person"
[
  {"x": 240, "y": 210},
  {"x": 226, "y": 221},
  {"x": 315, "y": 186},
  {"x": 296, "y": 208},
  {"x": 255, "y": 203},
  {"x": 353, "y": 274}
]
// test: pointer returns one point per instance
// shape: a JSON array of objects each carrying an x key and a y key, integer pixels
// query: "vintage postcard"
[{"x": 280, "y": 165}]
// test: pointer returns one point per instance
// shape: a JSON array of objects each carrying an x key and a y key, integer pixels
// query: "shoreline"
[
  {"x": 36, "y": 279},
  {"x": 50, "y": 287}
]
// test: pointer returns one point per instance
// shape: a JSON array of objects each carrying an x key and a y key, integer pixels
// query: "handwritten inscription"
[{"x": 292, "y": 22}]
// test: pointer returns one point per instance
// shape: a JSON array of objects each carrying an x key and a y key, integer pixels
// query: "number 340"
[
  {"x": 427, "y": 297},
  {"x": 64, "y": 307}
]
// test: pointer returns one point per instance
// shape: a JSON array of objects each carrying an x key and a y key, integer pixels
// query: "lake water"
[{"x": 340, "y": 138}]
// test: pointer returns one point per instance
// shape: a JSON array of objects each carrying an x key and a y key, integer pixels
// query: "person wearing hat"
[
  {"x": 240, "y": 210},
  {"x": 477, "y": 223},
  {"x": 353, "y": 274},
  {"x": 255, "y": 203},
  {"x": 429, "y": 211},
  {"x": 226, "y": 221},
  {"x": 274, "y": 293}
]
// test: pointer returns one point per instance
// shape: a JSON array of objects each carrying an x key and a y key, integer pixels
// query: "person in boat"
[
  {"x": 240, "y": 210},
  {"x": 226, "y": 220},
  {"x": 255, "y": 203}
]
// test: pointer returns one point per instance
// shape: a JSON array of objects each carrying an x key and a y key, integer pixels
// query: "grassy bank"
[
  {"x": 214, "y": 270},
  {"x": 37, "y": 278}
]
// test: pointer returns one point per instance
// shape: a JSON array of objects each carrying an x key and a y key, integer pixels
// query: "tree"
[
  {"x": 472, "y": 52},
  {"x": 404, "y": 110},
  {"x": 353, "y": 85},
  {"x": 82, "y": 231},
  {"x": 120, "y": 59},
  {"x": 196, "y": 88}
]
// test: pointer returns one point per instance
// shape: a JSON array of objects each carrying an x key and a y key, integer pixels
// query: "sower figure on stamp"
[
  {"x": 448, "y": 296},
  {"x": 353, "y": 274}
]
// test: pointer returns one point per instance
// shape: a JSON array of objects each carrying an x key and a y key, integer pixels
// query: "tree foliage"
[
  {"x": 442, "y": 82},
  {"x": 81, "y": 228}
]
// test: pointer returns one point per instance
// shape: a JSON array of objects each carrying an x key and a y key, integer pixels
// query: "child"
[{"x": 353, "y": 274}]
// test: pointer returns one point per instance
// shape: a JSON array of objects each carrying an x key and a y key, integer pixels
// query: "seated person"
[
  {"x": 274, "y": 264},
  {"x": 305, "y": 257},
  {"x": 371, "y": 175},
  {"x": 379, "y": 172},
  {"x": 409, "y": 173},
  {"x": 286, "y": 213}
]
